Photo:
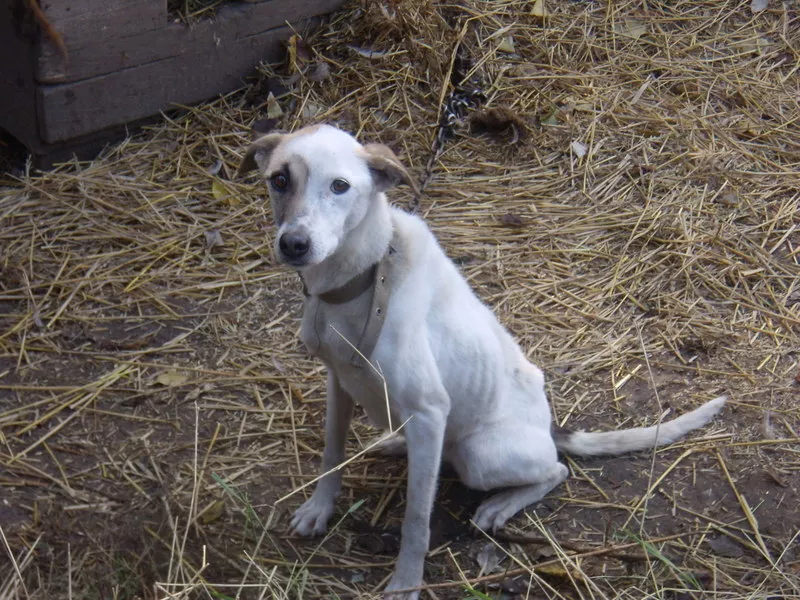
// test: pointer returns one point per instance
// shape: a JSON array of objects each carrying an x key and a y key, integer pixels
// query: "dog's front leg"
[
  {"x": 425, "y": 436},
  {"x": 312, "y": 517}
]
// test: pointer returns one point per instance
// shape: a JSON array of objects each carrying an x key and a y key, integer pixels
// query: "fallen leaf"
[
  {"x": 274, "y": 110},
  {"x": 489, "y": 558},
  {"x": 776, "y": 477},
  {"x": 757, "y": 6},
  {"x": 578, "y": 148},
  {"x": 311, "y": 110},
  {"x": 729, "y": 198},
  {"x": 767, "y": 430},
  {"x": 197, "y": 392},
  {"x": 500, "y": 123},
  {"x": 366, "y": 53},
  {"x": 539, "y": 10},
  {"x": 215, "y": 168},
  {"x": 722, "y": 545},
  {"x": 321, "y": 72},
  {"x": 171, "y": 378},
  {"x": 512, "y": 220},
  {"x": 213, "y": 512},
  {"x": 631, "y": 28},
  {"x": 551, "y": 118},
  {"x": 213, "y": 239},
  {"x": 221, "y": 192},
  {"x": 506, "y": 45},
  {"x": 557, "y": 571}
]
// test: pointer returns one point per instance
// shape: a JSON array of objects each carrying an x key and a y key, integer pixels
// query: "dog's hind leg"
[
  {"x": 496, "y": 510},
  {"x": 519, "y": 456}
]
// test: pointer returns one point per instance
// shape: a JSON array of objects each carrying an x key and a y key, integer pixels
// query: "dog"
[{"x": 404, "y": 336}]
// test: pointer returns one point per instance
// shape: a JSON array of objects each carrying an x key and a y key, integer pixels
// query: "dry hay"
[{"x": 631, "y": 214}]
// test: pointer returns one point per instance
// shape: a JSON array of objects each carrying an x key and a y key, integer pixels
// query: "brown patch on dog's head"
[
  {"x": 387, "y": 170},
  {"x": 259, "y": 153},
  {"x": 289, "y": 203}
]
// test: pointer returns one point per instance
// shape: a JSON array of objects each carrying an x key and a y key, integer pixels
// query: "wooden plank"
[
  {"x": 83, "y": 22},
  {"x": 17, "y": 86},
  {"x": 73, "y": 109},
  {"x": 90, "y": 56}
]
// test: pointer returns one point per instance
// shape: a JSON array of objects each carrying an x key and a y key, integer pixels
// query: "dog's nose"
[{"x": 294, "y": 245}]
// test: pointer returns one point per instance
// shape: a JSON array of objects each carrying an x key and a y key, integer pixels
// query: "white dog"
[{"x": 379, "y": 287}]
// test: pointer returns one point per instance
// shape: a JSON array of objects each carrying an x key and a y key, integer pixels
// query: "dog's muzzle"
[{"x": 294, "y": 246}]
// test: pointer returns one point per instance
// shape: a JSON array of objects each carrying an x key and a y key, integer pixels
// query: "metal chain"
[{"x": 464, "y": 96}]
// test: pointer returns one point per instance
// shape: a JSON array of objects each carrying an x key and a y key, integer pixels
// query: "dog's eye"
[
  {"x": 279, "y": 182},
  {"x": 339, "y": 186}
]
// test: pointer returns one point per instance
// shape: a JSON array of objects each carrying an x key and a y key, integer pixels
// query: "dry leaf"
[
  {"x": 221, "y": 192},
  {"x": 274, "y": 110},
  {"x": 502, "y": 123},
  {"x": 722, "y": 545},
  {"x": 311, "y": 110},
  {"x": 489, "y": 558},
  {"x": 512, "y": 220},
  {"x": 552, "y": 118},
  {"x": 215, "y": 168},
  {"x": 213, "y": 512},
  {"x": 729, "y": 198},
  {"x": 213, "y": 239},
  {"x": 506, "y": 45},
  {"x": 321, "y": 72},
  {"x": 171, "y": 378},
  {"x": 775, "y": 476},
  {"x": 578, "y": 148},
  {"x": 366, "y": 53},
  {"x": 757, "y": 6},
  {"x": 557, "y": 571},
  {"x": 631, "y": 28},
  {"x": 540, "y": 10}
]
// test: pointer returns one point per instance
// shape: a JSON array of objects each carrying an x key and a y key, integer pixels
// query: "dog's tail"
[{"x": 581, "y": 443}]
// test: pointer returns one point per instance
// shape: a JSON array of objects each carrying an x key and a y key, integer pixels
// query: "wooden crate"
[{"x": 126, "y": 61}]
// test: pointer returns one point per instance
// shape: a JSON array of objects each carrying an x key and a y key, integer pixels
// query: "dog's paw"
[
  {"x": 493, "y": 513},
  {"x": 312, "y": 517},
  {"x": 398, "y": 583},
  {"x": 393, "y": 446}
]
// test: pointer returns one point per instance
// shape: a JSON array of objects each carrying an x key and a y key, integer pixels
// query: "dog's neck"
[{"x": 364, "y": 246}]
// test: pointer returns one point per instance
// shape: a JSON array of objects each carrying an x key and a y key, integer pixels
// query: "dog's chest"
[{"x": 332, "y": 334}]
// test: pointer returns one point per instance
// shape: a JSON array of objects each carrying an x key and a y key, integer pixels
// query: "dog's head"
[{"x": 322, "y": 183}]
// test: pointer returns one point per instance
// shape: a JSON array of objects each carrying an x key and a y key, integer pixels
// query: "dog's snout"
[{"x": 294, "y": 245}]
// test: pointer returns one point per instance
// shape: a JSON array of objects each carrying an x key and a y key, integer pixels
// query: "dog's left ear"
[
  {"x": 259, "y": 152},
  {"x": 386, "y": 168}
]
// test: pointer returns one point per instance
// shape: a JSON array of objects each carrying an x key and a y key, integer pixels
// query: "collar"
[
  {"x": 350, "y": 290},
  {"x": 359, "y": 284},
  {"x": 375, "y": 278}
]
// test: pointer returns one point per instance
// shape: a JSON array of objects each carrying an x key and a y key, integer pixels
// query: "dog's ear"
[
  {"x": 258, "y": 153},
  {"x": 386, "y": 168}
]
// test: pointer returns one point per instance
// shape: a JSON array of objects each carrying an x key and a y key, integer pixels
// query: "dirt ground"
[{"x": 159, "y": 417}]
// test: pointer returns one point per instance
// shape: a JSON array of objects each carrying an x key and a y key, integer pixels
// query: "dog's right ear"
[
  {"x": 386, "y": 168},
  {"x": 259, "y": 152}
]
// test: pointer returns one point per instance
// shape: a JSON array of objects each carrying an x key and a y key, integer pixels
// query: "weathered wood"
[
  {"x": 90, "y": 56},
  {"x": 82, "y": 22},
  {"x": 74, "y": 109},
  {"x": 17, "y": 85}
]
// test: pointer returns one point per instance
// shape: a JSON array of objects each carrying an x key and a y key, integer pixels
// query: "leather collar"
[
  {"x": 350, "y": 290},
  {"x": 374, "y": 278}
]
